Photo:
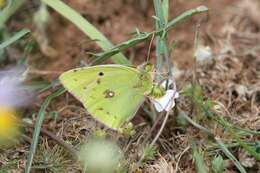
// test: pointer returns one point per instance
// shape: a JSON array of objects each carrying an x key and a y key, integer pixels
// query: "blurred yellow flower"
[
  {"x": 8, "y": 126},
  {"x": 13, "y": 94},
  {"x": 2, "y": 3}
]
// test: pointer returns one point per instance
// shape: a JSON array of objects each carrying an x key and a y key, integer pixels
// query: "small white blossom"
[{"x": 167, "y": 101}]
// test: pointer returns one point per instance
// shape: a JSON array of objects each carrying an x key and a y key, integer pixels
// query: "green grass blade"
[
  {"x": 228, "y": 125},
  {"x": 37, "y": 128},
  {"x": 230, "y": 155},
  {"x": 186, "y": 15},
  {"x": 9, "y": 10},
  {"x": 100, "y": 57},
  {"x": 14, "y": 38},
  {"x": 86, "y": 27},
  {"x": 49, "y": 86}
]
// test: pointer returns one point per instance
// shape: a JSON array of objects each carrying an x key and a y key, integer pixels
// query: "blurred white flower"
[
  {"x": 101, "y": 156},
  {"x": 166, "y": 102},
  {"x": 13, "y": 93}
]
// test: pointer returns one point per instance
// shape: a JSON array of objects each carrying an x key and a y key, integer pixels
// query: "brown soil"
[{"x": 231, "y": 79}]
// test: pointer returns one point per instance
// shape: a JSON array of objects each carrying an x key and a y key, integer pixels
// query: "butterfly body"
[{"x": 111, "y": 93}]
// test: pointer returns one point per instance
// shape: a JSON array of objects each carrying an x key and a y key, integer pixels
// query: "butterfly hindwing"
[{"x": 111, "y": 93}]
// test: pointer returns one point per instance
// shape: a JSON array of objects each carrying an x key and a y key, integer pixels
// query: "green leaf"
[
  {"x": 218, "y": 164},
  {"x": 86, "y": 27},
  {"x": 148, "y": 152},
  {"x": 199, "y": 161}
]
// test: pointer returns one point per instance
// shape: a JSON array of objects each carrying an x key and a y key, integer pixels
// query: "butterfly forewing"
[{"x": 111, "y": 93}]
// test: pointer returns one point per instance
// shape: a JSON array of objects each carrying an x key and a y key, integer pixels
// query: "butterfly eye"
[{"x": 100, "y": 73}]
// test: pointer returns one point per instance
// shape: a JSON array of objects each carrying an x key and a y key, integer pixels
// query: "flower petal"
[{"x": 166, "y": 102}]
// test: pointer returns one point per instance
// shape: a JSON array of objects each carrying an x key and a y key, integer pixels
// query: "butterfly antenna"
[{"x": 149, "y": 49}]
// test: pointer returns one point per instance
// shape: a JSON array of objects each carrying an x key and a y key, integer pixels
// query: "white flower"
[{"x": 167, "y": 101}]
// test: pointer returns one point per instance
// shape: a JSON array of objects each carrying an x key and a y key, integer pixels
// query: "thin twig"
[
  {"x": 161, "y": 128},
  {"x": 61, "y": 142},
  {"x": 179, "y": 158},
  {"x": 149, "y": 49},
  {"x": 58, "y": 140},
  {"x": 153, "y": 127}
]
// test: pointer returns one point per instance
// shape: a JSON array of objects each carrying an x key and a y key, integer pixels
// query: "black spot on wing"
[{"x": 101, "y": 73}]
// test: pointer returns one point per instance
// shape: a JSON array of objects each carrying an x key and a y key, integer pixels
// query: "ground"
[{"x": 230, "y": 80}]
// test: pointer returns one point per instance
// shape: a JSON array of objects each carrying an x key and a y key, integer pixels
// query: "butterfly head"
[{"x": 157, "y": 92}]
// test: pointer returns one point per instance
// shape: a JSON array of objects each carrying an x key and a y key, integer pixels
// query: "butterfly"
[{"x": 112, "y": 93}]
